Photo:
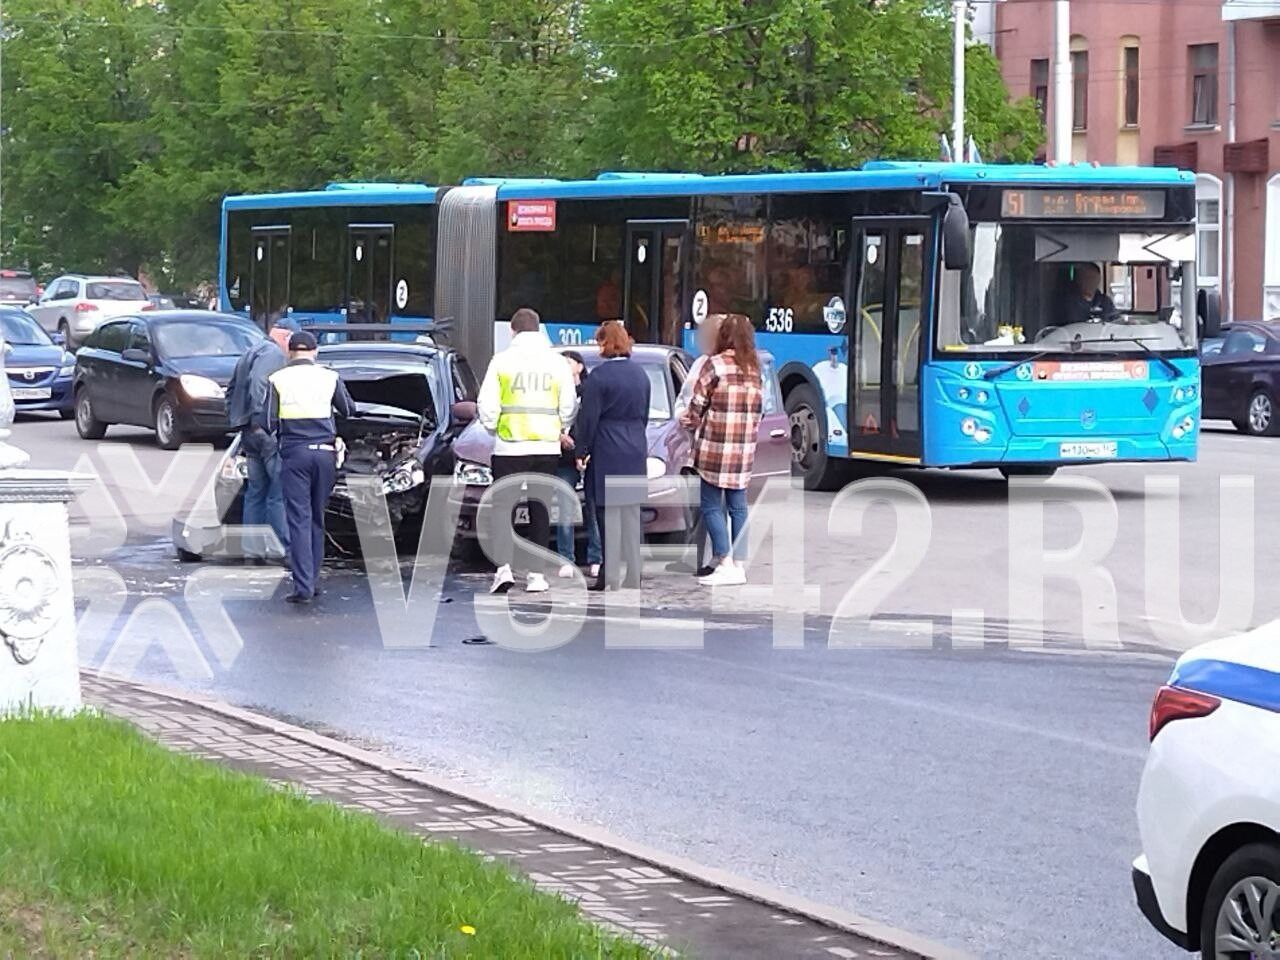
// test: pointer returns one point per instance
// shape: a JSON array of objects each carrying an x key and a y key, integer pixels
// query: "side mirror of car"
[
  {"x": 135, "y": 355},
  {"x": 464, "y": 411},
  {"x": 1209, "y": 313}
]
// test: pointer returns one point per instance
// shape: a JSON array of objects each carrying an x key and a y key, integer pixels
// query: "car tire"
[
  {"x": 87, "y": 425},
  {"x": 1252, "y": 868},
  {"x": 65, "y": 329},
  {"x": 809, "y": 459},
  {"x": 1261, "y": 419},
  {"x": 169, "y": 435}
]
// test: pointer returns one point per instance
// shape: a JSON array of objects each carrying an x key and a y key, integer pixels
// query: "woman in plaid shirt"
[{"x": 724, "y": 413}]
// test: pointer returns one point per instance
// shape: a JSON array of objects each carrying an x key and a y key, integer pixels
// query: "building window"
[
  {"x": 1040, "y": 87},
  {"x": 1080, "y": 90},
  {"x": 1208, "y": 230},
  {"x": 1131, "y": 86},
  {"x": 1204, "y": 84}
]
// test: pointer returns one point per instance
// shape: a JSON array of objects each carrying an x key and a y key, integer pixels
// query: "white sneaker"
[
  {"x": 502, "y": 579},
  {"x": 536, "y": 583},
  {"x": 724, "y": 576},
  {"x": 594, "y": 570},
  {"x": 566, "y": 572}
]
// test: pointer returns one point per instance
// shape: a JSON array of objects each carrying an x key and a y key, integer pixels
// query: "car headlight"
[
  {"x": 655, "y": 467},
  {"x": 472, "y": 474},
  {"x": 235, "y": 469},
  {"x": 67, "y": 367},
  {"x": 200, "y": 388},
  {"x": 408, "y": 475}
]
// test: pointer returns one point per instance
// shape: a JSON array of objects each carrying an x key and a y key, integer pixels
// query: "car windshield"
[
  {"x": 659, "y": 394},
  {"x": 193, "y": 339},
  {"x": 115, "y": 290},
  {"x": 22, "y": 330},
  {"x": 1032, "y": 288},
  {"x": 17, "y": 288}
]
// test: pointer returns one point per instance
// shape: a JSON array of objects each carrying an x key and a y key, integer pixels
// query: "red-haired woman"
[
  {"x": 725, "y": 411},
  {"x": 610, "y": 441}
]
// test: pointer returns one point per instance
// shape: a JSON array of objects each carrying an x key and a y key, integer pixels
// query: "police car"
[{"x": 1209, "y": 804}]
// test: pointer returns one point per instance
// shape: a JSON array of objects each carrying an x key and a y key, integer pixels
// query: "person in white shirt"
[{"x": 528, "y": 401}]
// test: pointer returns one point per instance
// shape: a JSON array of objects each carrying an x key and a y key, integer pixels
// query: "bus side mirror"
[
  {"x": 1209, "y": 313},
  {"x": 955, "y": 236}
]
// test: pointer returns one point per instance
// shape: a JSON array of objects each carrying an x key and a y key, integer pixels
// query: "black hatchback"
[{"x": 166, "y": 370}]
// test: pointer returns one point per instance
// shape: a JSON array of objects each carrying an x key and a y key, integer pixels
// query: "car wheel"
[
  {"x": 65, "y": 330},
  {"x": 87, "y": 425},
  {"x": 809, "y": 459},
  {"x": 1241, "y": 915},
  {"x": 168, "y": 434},
  {"x": 1260, "y": 415}
]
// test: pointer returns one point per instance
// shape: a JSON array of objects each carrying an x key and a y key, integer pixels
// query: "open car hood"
[{"x": 378, "y": 391}]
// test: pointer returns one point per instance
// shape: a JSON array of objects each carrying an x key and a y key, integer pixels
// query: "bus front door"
[
  {"x": 269, "y": 275},
  {"x": 369, "y": 272},
  {"x": 652, "y": 290},
  {"x": 890, "y": 298}
]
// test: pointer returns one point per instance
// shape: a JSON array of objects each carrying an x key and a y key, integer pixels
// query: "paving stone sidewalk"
[{"x": 615, "y": 889}]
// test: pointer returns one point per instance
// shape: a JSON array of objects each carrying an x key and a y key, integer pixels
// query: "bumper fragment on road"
[{"x": 641, "y": 893}]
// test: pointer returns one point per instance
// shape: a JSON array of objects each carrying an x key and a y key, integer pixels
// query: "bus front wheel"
[{"x": 809, "y": 459}]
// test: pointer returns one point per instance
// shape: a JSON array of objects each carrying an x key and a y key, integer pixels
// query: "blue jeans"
[
  {"x": 714, "y": 503},
  {"x": 564, "y": 531},
  {"x": 264, "y": 504}
]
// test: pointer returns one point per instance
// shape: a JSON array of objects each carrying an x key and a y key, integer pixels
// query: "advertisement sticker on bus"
[
  {"x": 529, "y": 216},
  {"x": 1091, "y": 370}
]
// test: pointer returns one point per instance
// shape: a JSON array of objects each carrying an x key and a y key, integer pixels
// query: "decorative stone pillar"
[{"x": 38, "y": 661}]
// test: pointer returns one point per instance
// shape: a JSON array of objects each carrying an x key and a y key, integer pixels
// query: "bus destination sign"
[{"x": 1083, "y": 204}]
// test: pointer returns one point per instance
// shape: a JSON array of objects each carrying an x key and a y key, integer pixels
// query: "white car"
[
  {"x": 1209, "y": 804},
  {"x": 75, "y": 305}
]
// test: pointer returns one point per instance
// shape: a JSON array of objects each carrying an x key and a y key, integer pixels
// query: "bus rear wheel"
[{"x": 809, "y": 459}]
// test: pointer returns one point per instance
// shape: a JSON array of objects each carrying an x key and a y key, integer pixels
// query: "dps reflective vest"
[
  {"x": 303, "y": 398},
  {"x": 528, "y": 397},
  {"x": 530, "y": 406}
]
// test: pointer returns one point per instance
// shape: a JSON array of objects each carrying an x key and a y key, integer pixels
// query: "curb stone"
[{"x": 899, "y": 944}]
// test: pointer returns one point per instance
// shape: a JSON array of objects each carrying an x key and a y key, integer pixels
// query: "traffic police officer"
[
  {"x": 299, "y": 412},
  {"x": 528, "y": 401}
]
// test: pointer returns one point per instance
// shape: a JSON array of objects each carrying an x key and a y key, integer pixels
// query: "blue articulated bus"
[{"x": 948, "y": 315}]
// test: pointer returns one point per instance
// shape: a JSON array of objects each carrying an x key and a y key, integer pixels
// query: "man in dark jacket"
[{"x": 246, "y": 408}]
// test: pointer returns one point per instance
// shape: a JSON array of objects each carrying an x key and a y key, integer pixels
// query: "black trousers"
[
  {"x": 307, "y": 478},
  {"x": 626, "y": 520},
  {"x": 505, "y": 503}
]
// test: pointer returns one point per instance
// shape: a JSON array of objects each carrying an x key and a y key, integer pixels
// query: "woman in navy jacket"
[{"x": 611, "y": 442}]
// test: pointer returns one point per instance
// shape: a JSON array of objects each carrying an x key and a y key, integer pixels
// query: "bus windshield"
[{"x": 1032, "y": 288}]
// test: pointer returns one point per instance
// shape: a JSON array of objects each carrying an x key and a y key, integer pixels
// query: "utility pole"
[
  {"x": 960, "y": 11},
  {"x": 1063, "y": 101}
]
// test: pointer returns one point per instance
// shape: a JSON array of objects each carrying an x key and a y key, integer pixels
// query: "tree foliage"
[{"x": 125, "y": 121}]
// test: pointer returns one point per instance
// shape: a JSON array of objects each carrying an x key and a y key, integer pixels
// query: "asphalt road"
[{"x": 978, "y": 796}]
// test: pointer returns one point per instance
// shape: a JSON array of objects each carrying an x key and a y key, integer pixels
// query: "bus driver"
[{"x": 1084, "y": 301}]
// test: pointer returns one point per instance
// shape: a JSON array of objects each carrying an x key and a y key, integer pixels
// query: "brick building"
[{"x": 1188, "y": 83}]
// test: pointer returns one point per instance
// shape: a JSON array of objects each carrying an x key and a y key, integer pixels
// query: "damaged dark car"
[{"x": 412, "y": 400}]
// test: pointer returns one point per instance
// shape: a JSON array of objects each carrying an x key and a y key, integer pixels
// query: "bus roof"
[
  {"x": 336, "y": 195},
  {"x": 876, "y": 175}
]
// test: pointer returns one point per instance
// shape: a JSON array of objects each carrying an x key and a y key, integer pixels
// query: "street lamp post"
[
  {"x": 959, "y": 11},
  {"x": 1063, "y": 101}
]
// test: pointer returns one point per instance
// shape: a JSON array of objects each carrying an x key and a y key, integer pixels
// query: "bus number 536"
[{"x": 779, "y": 320}]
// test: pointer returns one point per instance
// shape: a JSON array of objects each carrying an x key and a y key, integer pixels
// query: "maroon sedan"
[{"x": 669, "y": 443}]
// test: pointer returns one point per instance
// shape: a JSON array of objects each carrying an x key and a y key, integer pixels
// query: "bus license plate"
[
  {"x": 31, "y": 393},
  {"x": 1105, "y": 450}
]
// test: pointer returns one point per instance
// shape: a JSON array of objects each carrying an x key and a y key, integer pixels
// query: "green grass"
[{"x": 114, "y": 847}]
